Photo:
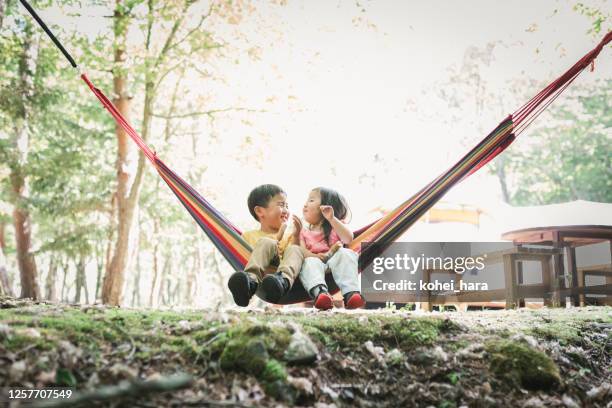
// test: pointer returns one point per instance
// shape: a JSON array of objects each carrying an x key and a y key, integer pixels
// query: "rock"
[
  {"x": 5, "y": 331},
  {"x": 489, "y": 402},
  {"x": 29, "y": 332},
  {"x": 184, "y": 326},
  {"x": 123, "y": 371},
  {"x": 328, "y": 391},
  {"x": 569, "y": 402},
  {"x": 68, "y": 354},
  {"x": 46, "y": 377},
  {"x": 395, "y": 357},
  {"x": 599, "y": 393},
  {"x": 472, "y": 352},
  {"x": 486, "y": 388},
  {"x": 281, "y": 391},
  {"x": 447, "y": 391},
  {"x": 93, "y": 380},
  {"x": 17, "y": 370},
  {"x": 533, "y": 402},
  {"x": 439, "y": 354},
  {"x": 302, "y": 384},
  {"x": 301, "y": 349},
  {"x": 530, "y": 340},
  {"x": 377, "y": 352},
  {"x": 324, "y": 405}
]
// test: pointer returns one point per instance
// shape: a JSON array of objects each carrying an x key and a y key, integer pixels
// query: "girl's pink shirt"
[{"x": 315, "y": 240}]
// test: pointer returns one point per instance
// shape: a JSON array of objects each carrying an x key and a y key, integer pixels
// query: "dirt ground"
[{"x": 299, "y": 357}]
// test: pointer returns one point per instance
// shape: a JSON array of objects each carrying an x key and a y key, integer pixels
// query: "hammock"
[{"x": 372, "y": 239}]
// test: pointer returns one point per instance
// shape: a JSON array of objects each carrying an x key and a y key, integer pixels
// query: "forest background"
[{"x": 372, "y": 98}]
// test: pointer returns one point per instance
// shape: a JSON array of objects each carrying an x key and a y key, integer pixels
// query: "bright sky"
[
  {"x": 350, "y": 95},
  {"x": 348, "y": 90}
]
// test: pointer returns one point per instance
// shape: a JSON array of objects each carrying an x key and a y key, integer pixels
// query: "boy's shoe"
[
  {"x": 274, "y": 286},
  {"x": 243, "y": 287},
  {"x": 354, "y": 300},
  {"x": 324, "y": 301}
]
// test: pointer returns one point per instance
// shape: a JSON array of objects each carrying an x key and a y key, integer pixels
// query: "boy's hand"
[
  {"x": 327, "y": 211},
  {"x": 281, "y": 232},
  {"x": 323, "y": 257}
]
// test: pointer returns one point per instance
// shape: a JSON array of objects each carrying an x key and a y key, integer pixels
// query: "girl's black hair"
[{"x": 338, "y": 203}]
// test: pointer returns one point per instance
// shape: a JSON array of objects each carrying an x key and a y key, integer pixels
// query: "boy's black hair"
[
  {"x": 338, "y": 203},
  {"x": 260, "y": 197}
]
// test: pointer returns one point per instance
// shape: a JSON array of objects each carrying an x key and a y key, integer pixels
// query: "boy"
[{"x": 268, "y": 205}]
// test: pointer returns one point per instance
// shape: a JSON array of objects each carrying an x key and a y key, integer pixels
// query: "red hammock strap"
[
  {"x": 120, "y": 120},
  {"x": 557, "y": 86}
]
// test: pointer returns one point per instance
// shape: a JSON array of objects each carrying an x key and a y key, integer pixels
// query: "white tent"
[{"x": 499, "y": 218}]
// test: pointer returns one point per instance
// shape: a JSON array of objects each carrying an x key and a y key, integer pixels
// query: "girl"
[{"x": 322, "y": 242}]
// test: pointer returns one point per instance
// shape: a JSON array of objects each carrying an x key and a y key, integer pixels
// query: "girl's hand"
[
  {"x": 297, "y": 225},
  {"x": 297, "y": 228},
  {"x": 327, "y": 211}
]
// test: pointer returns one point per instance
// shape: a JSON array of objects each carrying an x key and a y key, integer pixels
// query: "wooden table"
[{"x": 567, "y": 238}]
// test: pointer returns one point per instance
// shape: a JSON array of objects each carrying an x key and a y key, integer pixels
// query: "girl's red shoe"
[
  {"x": 324, "y": 301},
  {"x": 356, "y": 301}
]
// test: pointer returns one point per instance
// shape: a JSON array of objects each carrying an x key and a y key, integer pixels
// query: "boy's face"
[{"x": 275, "y": 214}]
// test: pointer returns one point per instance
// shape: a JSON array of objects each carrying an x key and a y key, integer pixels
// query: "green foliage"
[
  {"x": 453, "y": 377},
  {"x": 570, "y": 157},
  {"x": 566, "y": 333},
  {"x": 599, "y": 17},
  {"x": 68, "y": 165},
  {"x": 65, "y": 378}
]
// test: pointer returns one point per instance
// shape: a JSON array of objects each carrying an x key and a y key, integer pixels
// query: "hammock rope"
[{"x": 372, "y": 239}]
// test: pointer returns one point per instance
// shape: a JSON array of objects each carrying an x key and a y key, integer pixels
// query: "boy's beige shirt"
[{"x": 251, "y": 238}]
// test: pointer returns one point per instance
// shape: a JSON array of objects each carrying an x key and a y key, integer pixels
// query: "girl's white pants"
[{"x": 343, "y": 266}]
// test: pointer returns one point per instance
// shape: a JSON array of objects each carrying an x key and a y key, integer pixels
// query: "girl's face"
[{"x": 311, "y": 210}]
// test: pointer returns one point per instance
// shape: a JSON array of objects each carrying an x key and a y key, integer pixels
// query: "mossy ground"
[
  {"x": 440, "y": 359},
  {"x": 522, "y": 365}
]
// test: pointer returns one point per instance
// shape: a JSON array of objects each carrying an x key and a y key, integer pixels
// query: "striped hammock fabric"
[{"x": 378, "y": 235}]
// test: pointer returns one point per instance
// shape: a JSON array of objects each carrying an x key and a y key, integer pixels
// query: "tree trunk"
[
  {"x": 5, "y": 283},
  {"x": 3, "y": 8},
  {"x": 112, "y": 286},
  {"x": 127, "y": 197},
  {"x": 65, "y": 266},
  {"x": 136, "y": 286},
  {"x": 3, "y": 237},
  {"x": 50, "y": 292},
  {"x": 99, "y": 268},
  {"x": 81, "y": 280},
  {"x": 191, "y": 276},
  {"x": 155, "y": 259},
  {"x": 161, "y": 299},
  {"x": 84, "y": 279},
  {"x": 19, "y": 185},
  {"x": 500, "y": 171}
]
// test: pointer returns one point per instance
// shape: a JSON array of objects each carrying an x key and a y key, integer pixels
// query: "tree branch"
[
  {"x": 125, "y": 389},
  {"x": 193, "y": 30},
  {"x": 209, "y": 113}
]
